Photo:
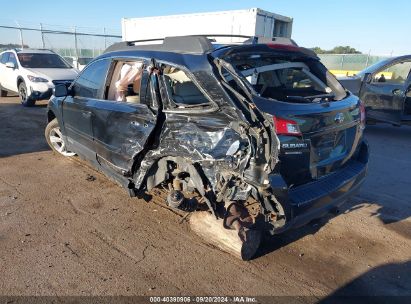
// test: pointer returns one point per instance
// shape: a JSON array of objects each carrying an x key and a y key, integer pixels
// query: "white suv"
[
  {"x": 78, "y": 62},
  {"x": 33, "y": 74}
]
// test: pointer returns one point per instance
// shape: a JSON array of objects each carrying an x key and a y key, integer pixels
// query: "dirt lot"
[{"x": 67, "y": 230}]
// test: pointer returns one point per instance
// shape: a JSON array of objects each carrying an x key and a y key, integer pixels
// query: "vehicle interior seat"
[
  {"x": 133, "y": 99},
  {"x": 132, "y": 95},
  {"x": 188, "y": 93}
]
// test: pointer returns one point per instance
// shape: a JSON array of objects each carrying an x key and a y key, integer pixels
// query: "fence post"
[
  {"x": 368, "y": 58},
  {"x": 105, "y": 38},
  {"x": 342, "y": 61},
  {"x": 42, "y": 36},
  {"x": 75, "y": 42}
]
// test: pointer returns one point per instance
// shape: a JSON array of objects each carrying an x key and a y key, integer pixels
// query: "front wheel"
[
  {"x": 24, "y": 98},
  {"x": 55, "y": 139}
]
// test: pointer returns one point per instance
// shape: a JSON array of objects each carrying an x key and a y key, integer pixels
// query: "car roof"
[
  {"x": 34, "y": 51},
  {"x": 206, "y": 44},
  {"x": 191, "y": 61},
  {"x": 193, "y": 51}
]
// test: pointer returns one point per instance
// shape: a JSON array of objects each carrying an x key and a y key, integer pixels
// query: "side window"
[
  {"x": 395, "y": 74},
  {"x": 181, "y": 90},
  {"x": 12, "y": 58},
  {"x": 5, "y": 57},
  {"x": 125, "y": 82},
  {"x": 92, "y": 80}
]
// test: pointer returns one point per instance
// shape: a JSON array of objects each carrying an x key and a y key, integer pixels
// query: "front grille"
[{"x": 56, "y": 82}]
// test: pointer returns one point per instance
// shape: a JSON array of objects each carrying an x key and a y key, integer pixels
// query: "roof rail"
[
  {"x": 182, "y": 44},
  {"x": 195, "y": 44}
]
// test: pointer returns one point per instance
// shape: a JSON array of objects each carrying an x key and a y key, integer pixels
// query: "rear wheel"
[
  {"x": 24, "y": 98},
  {"x": 55, "y": 139}
]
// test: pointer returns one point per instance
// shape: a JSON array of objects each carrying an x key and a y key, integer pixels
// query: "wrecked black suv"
[{"x": 259, "y": 132}]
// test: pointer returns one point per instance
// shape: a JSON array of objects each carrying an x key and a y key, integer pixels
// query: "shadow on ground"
[
  {"x": 21, "y": 128},
  {"x": 390, "y": 283}
]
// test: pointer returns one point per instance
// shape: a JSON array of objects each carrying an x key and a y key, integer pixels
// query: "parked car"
[
  {"x": 385, "y": 89},
  {"x": 78, "y": 63},
  {"x": 33, "y": 74},
  {"x": 262, "y": 132}
]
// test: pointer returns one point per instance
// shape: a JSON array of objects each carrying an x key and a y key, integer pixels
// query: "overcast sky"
[{"x": 378, "y": 25}]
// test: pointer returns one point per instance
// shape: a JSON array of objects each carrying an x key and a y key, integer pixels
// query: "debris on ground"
[{"x": 90, "y": 178}]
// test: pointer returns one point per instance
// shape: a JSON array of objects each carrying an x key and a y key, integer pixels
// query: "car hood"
[{"x": 55, "y": 74}]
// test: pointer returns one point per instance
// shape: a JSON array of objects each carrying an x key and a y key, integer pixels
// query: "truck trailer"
[{"x": 249, "y": 22}]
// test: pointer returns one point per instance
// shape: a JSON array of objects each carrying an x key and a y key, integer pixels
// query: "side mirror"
[
  {"x": 10, "y": 65},
  {"x": 60, "y": 90},
  {"x": 368, "y": 78}
]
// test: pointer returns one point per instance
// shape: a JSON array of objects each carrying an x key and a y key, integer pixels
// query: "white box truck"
[{"x": 249, "y": 22}]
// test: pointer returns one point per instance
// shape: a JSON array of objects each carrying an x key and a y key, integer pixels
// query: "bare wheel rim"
[
  {"x": 57, "y": 141},
  {"x": 22, "y": 93}
]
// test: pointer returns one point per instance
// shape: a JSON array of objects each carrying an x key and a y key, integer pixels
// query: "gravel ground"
[{"x": 66, "y": 230}]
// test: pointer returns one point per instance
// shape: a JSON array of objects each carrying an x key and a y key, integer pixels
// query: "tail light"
[
  {"x": 362, "y": 115},
  {"x": 286, "y": 126}
]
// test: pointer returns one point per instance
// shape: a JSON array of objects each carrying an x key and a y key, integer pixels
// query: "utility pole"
[
  {"x": 42, "y": 36},
  {"x": 21, "y": 35}
]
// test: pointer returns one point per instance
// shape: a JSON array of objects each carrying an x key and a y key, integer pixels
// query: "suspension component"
[{"x": 237, "y": 217}]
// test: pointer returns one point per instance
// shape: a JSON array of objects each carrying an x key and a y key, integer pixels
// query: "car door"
[
  {"x": 77, "y": 114},
  {"x": 384, "y": 92},
  {"x": 407, "y": 103},
  {"x": 3, "y": 60},
  {"x": 122, "y": 128},
  {"x": 9, "y": 75},
  {"x": 13, "y": 73}
]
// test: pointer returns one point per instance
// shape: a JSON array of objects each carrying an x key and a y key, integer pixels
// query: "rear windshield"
[
  {"x": 44, "y": 61},
  {"x": 290, "y": 80}
]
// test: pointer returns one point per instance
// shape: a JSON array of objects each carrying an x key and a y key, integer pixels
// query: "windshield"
[
  {"x": 375, "y": 67},
  {"x": 84, "y": 60},
  {"x": 287, "y": 79},
  {"x": 42, "y": 61}
]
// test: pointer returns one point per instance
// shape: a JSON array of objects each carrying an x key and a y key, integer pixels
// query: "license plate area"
[{"x": 329, "y": 146}]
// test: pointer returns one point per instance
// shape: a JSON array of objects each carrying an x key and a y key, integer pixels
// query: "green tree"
[
  {"x": 344, "y": 50},
  {"x": 336, "y": 50},
  {"x": 318, "y": 50}
]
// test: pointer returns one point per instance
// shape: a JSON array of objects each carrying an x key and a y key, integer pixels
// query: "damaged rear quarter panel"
[{"x": 202, "y": 138}]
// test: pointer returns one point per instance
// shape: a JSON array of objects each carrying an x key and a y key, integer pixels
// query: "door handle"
[
  {"x": 86, "y": 114},
  {"x": 397, "y": 92}
]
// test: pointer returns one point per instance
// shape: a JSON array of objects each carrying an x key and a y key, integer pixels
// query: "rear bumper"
[{"x": 314, "y": 200}]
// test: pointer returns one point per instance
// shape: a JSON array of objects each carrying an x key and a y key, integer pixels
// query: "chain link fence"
[
  {"x": 90, "y": 42},
  {"x": 66, "y": 41},
  {"x": 348, "y": 64}
]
